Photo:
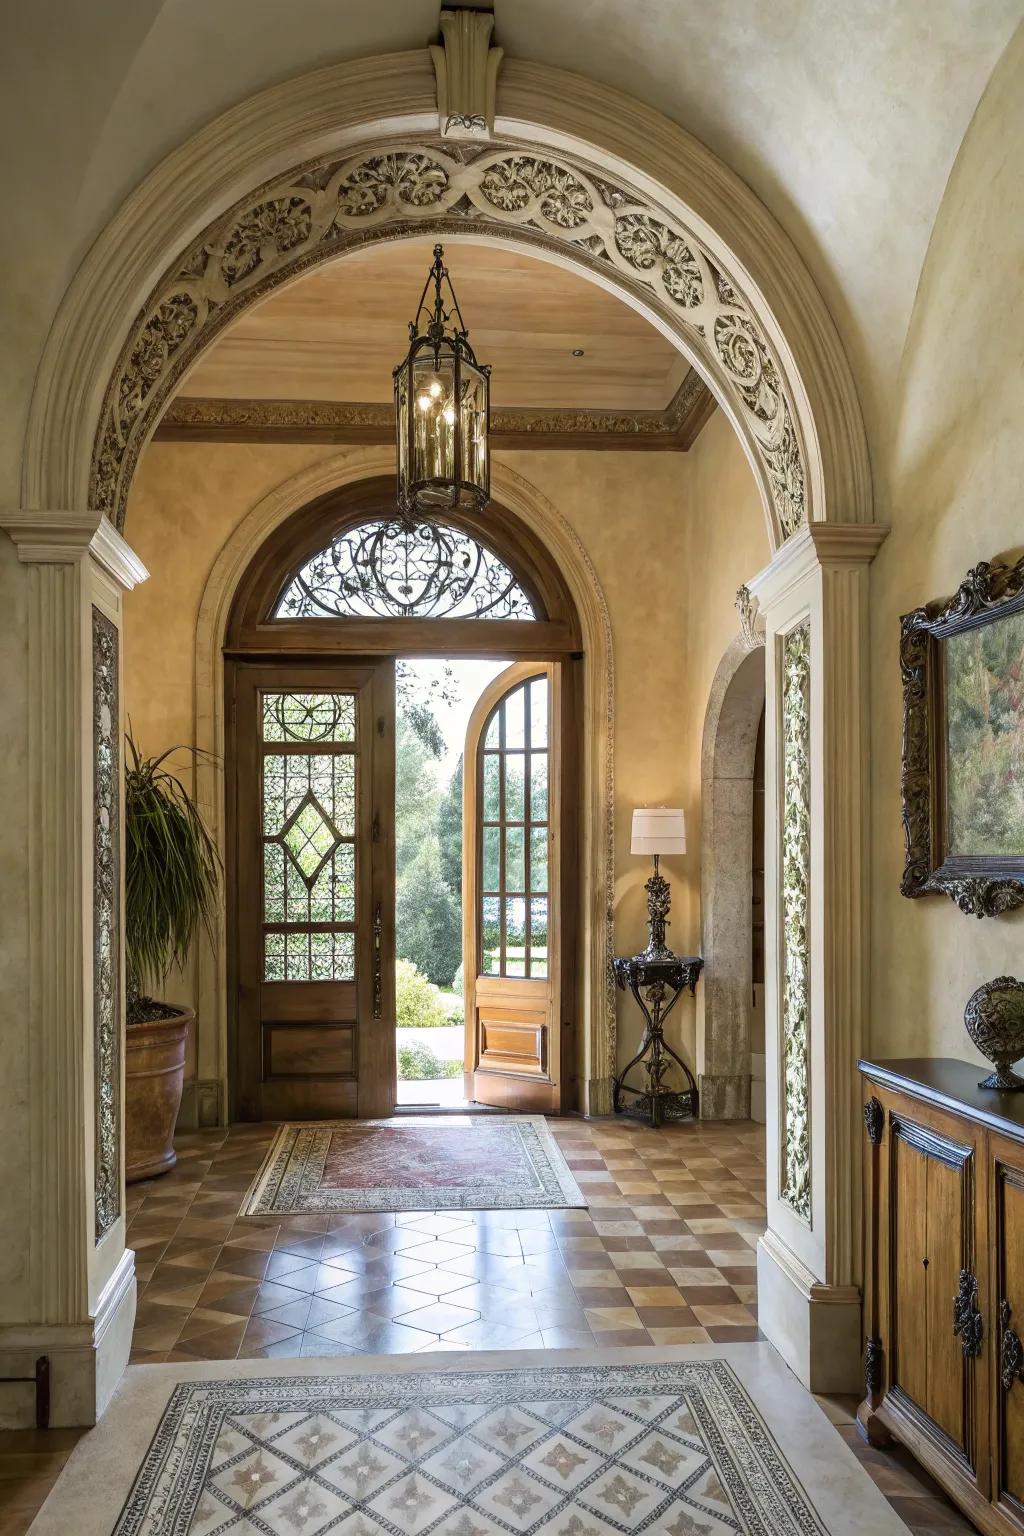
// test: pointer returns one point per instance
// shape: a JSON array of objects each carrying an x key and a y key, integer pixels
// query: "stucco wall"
[
  {"x": 953, "y": 496},
  {"x": 671, "y": 537}
]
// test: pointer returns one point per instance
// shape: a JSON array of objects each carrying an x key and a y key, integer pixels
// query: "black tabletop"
[{"x": 950, "y": 1084}]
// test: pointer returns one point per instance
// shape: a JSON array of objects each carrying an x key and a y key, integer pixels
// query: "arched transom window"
[{"x": 387, "y": 569}]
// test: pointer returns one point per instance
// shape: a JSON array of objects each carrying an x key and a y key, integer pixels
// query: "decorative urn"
[{"x": 994, "y": 1018}]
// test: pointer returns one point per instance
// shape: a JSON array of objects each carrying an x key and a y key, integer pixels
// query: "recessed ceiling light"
[{"x": 577, "y": 352}]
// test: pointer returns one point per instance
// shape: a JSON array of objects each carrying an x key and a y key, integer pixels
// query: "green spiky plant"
[{"x": 172, "y": 876}]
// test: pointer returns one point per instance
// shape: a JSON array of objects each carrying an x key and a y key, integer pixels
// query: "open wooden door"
[
  {"x": 519, "y": 871},
  {"x": 312, "y": 890}
]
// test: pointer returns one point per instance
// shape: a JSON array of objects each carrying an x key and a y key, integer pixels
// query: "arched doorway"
[
  {"x": 337, "y": 595},
  {"x": 645, "y": 209},
  {"x": 732, "y": 881}
]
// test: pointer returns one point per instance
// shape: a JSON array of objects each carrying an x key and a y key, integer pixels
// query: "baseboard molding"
[
  {"x": 725, "y": 1097},
  {"x": 87, "y": 1359},
  {"x": 758, "y": 1100},
  {"x": 200, "y": 1105},
  {"x": 815, "y": 1327}
]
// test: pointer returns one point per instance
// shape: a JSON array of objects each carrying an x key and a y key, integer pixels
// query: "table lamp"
[{"x": 657, "y": 831}]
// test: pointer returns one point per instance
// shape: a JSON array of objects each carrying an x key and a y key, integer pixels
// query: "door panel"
[
  {"x": 932, "y": 1241},
  {"x": 518, "y": 869},
  {"x": 1008, "y": 1230},
  {"x": 909, "y": 1275},
  {"x": 314, "y": 890}
]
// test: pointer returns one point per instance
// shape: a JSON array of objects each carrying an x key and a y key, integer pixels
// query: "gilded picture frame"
[{"x": 963, "y": 739}]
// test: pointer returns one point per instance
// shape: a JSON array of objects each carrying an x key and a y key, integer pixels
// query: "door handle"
[
  {"x": 967, "y": 1320},
  {"x": 378, "y": 962},
  {"x": 1011, "y": 1350}
]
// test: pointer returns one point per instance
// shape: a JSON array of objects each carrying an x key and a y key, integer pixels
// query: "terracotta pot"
[{"x": 154, "y": 1071}]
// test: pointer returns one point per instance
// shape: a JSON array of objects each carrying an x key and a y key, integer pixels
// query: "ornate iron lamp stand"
[
  {"x": 657, "y": 983},
  {"x": 657, "y": 979}
]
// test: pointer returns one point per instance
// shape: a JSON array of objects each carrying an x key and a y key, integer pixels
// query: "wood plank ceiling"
[{"x": 569, "y": 359}]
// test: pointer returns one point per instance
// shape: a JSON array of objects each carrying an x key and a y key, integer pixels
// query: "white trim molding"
[{"x": 817, "y": 584}]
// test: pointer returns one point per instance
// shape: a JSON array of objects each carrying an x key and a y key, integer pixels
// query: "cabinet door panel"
[
  {"x": 909, "y": 1292},
  {"x": 1007, "y": 1170},
  {"x": 947, "y": 1398},
  {"x": 932, "y": 1214}
]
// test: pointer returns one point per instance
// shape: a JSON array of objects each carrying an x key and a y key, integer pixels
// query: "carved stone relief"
[
  {"x": 325, "y": 208},
  {"x": 751, "y": 619},
  {"x": 795, "y": 864},
  {"x": 466, "y": 70},
  {"x": 106, "y": 922}
]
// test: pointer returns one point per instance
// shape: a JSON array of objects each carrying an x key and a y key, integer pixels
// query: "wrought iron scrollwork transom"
[
  {"x": 397, "y": 570},
  {"x": 967, "y": 1320}
]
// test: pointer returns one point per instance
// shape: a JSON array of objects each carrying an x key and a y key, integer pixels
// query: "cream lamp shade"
[{"x": 657, "y": 830}]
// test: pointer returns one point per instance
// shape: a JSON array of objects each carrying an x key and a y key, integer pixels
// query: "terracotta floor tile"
[
  {"x": 657, "y": 1295},
  {"x": 725, "y": 1316},
  {"x": 665, "y": 1254},
  {"x": 601, "y": 1319}
]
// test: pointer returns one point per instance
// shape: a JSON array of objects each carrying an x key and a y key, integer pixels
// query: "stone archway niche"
[
  {"x": 731, "y": 726},
  {"x": 578, "y": 173}
]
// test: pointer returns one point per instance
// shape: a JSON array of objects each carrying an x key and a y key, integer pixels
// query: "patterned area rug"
[
  {"x": 567, "y": 1451},
  {"x": 478, "y": 1163}
]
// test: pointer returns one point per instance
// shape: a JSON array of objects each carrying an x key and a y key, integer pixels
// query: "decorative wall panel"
[
  {"x": 321, "y": 209},
  {"x": 107, "y": 1024},
  {"x": 795, "y": 863}
]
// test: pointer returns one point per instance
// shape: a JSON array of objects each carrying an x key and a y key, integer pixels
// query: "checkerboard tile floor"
[{"x": 664, "y": 1255}]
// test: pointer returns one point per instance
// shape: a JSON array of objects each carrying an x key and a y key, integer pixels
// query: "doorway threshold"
[{"x": 465, "y": 1108}]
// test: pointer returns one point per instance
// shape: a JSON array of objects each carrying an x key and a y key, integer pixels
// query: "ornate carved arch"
[
  {"x": 552, "y": 201},
  {"x": 315, "y": 167}
]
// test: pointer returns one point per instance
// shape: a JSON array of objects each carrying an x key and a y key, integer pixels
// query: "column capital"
[
  {"x": 63, "y": 538},
  {"x": 816, "y": 545}
]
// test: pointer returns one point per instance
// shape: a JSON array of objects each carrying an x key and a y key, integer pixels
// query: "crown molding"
[
  {"x": 62, "y": 538},
  {"x": 675, "y": 429}
]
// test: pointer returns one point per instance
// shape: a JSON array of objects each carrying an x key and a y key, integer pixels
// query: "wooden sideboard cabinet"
[{"x": 944, "y": 1279}]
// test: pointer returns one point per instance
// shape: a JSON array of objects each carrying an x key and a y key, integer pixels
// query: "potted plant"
[{"x": 172, "y": 877}]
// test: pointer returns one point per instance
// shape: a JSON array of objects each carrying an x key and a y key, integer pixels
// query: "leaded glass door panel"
[
  {"x": 519, "y": 856},
  {"x": 314, "y": 891}
]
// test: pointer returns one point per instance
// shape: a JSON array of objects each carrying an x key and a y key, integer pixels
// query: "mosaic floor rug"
[
  {"x": 476, "y": 1163},
  {"x": 572, "y": 1451}
]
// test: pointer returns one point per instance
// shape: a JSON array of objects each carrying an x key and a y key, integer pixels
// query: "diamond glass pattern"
[
  {"x": 309, "y": 820},
  {"x": 310, "y": 838}
]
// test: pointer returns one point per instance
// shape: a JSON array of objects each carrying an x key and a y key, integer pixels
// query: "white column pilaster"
[
  {"x": 816, "y": 590},
  {"x": 80, "y": 1298}
]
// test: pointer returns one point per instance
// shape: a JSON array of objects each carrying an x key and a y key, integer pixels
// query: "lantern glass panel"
[
  {"x": 474, "y": 425},
  {"x": 433, "y": 417}
]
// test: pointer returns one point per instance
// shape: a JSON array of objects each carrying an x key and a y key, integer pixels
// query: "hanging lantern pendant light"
[{"x": 442, "y": 408}]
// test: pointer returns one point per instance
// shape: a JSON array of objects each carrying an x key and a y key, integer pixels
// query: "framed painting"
[{"x": 962, "y": 663}]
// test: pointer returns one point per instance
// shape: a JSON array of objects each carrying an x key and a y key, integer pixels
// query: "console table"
[{"x": 657, "y": 983}]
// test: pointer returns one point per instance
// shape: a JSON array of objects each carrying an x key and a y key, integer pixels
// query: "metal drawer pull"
[
  {"x": 967, "y": 1320},
  {"x": 1011, "y": 1350}
]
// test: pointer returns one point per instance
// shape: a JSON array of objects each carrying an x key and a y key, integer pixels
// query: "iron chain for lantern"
[{"x": 442, "y": 409}]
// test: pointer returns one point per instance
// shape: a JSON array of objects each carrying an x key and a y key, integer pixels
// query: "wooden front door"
[
  {"x": 519, "y": 862},
  {"x": 313, "y": 884}
]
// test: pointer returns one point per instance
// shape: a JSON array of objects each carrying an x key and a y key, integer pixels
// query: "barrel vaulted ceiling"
[{"x": 844, "y": 119}]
